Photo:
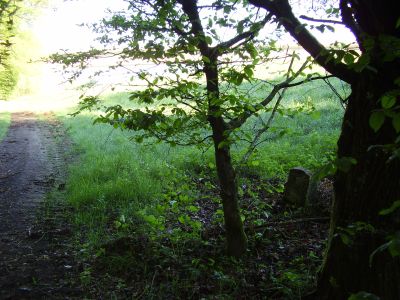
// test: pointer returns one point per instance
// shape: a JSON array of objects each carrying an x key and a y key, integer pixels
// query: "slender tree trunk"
[
  {"x": 236, "y": 238},
  {"x": 371, "y": 185}
]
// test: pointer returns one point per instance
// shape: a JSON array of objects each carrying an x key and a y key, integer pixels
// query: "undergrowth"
[{"x": 149, "y": 219}]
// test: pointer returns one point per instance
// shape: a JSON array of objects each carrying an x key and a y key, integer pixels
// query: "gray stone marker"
[{"x": 296, "y": 187}]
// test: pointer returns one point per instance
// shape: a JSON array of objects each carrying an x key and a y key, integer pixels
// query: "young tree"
[
  {"x": 206, "y": 51},
  {"x": 357, "y": 258}
]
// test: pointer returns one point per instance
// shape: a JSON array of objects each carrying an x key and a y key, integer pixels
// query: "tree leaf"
[
  {"x": 387, "y": 211},
  {"x": 363, "y": 296},
  {"x": 394, "y": 246},
  {"x": 151, "y": 219},
  {"x": 193, "y": 208},
  {"x": 248, "y": 70},
  {"x": 327, "y": 169},
  {"x": 348, "y": 59},
  {"x": 388, "y": 101},
  {"x": 376, "y": 120},
  {"x": 396, "y": 122},
  {"x": 346, "y": 239},
  {"x": 206, "y": 59},
  {"x": 181, "y": 219},
  {"x": 344, "y": 164},
  {"x": 240, "y": 27},
  {"x": 362, "y": 62}
]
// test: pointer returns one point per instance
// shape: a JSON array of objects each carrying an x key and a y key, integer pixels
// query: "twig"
[
  {"x": 302, "y": 220},
  {"x": 334, "y": 90},
  {"x": 260, "y": 132}
]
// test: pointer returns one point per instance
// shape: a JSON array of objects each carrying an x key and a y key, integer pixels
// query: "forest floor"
[{"x": 36, "y": 256}]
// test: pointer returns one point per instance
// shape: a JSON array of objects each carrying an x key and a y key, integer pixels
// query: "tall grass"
[
  {"x": 5, "y": 119},
  {"x": 152, "y": 196},
  {"x": 116, "y": 178},
  {"x": 310, "y": 126}
]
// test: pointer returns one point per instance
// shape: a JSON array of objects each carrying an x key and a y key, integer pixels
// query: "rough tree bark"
[
  {"x": 373, "y": 183},
  {"x": 361, "y": 193}
]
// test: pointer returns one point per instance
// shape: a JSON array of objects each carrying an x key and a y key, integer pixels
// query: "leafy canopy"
[{"x": 172, "y": 92}]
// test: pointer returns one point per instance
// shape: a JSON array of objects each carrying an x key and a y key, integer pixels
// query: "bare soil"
[{"x": 36, "y": 259}]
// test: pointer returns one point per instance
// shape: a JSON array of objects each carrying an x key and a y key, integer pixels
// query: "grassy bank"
[
  {"x": 5, "y": 119},
  {"x": 150, "y": 214}
]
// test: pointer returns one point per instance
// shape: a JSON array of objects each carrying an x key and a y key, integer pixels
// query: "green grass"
[
  {"x": 5, "y": 119},
  {"x": 114, "y": 176},
  {"x": 117, "y": 177},
  {"x": 310, "y": 135},
  {"x": 123, "y": 189}
]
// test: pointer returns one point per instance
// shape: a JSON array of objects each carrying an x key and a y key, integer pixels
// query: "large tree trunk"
[
  {"x": 361, "y": 193},
  {"x": 373, "y": 183}
]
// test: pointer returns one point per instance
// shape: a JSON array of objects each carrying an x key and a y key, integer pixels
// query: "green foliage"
[
  {"x": 202, "y": 94},
  {"x": 393, "y": 244},
  {"x": 363, "y": 296},
  {"x": 16, "y": 44},
  {"x": 8, "y": 80},
  {"x": 120, "y": 193},
  {"x": 388, "y": 48},
  {"x": 390, "y": 210},
  {"x": 376, "y": 120},
  {"x": 175, "y": 106},
  {"x": 154, "y": 197},
  {"x": 389, "y": 110},
  {"x": 8, "y": 10},
  {"x": 4, "y": 123},
  {"x": 349, "y": 233},
  {"x": 117, "y": 183}
]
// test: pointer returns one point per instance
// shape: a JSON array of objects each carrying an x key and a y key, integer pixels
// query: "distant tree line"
[{"x": 8, "y": 75}]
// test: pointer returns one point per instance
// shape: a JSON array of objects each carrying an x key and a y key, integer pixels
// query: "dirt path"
[{"x": 35, "y": 256}]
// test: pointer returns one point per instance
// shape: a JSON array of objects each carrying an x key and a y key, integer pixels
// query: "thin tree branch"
[
  {"x": 308, "y": 79},
  {"x": 348, "y": 20},
  {"x": 254, "y": 143},
  {"x": 248, "y": 35},
  {"x": 238, "y": 121},
  {"x": 283, "y": 12},
  {"x": 321, "y": 20},
  {"x": 334, "y": 90},
  {"x": 303, "y": 220}
]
